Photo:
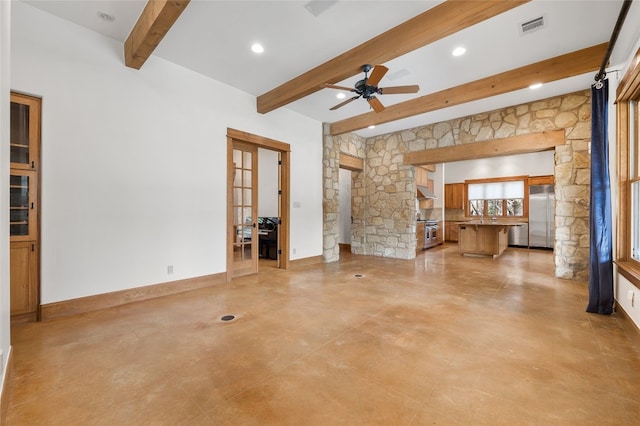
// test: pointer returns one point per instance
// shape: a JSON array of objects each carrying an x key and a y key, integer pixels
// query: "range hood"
[{"x": 425, "y": 193}]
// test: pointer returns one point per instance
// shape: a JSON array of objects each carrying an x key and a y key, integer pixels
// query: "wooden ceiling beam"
[
  {"x": 154, "y": 22},
  {"x": 522, "y": 144},
  {"x": 560, "y": 67},
  {"x": 436, "y": 23}
]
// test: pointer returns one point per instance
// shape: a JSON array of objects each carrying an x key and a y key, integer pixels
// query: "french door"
[
  {"x": 242, "y": 201},
  {"x": 244, "y": 204}
]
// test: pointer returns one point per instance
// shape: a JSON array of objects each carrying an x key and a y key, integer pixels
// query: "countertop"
[{"x": 490, "y": 222}]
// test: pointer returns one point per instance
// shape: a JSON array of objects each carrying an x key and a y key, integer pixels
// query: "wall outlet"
[
  {"x": 294, "y": 250},
  {"x": 170, "y": 269}
]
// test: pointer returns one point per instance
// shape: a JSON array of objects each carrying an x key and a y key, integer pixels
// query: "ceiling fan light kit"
[{"x": 367, "y": 88}]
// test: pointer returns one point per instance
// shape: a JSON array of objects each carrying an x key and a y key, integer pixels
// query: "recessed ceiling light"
[
  {"x": 341, "y": 95},
  {"x": 371, "y": 126},
  {"x": 257, "y": 48},
  {"x": 105, "y": 16},
  {"x": 535, "y": 86},
  {"x": 458, "y": 51}
]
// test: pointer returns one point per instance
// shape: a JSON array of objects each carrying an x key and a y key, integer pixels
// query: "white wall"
[
  {"x": 134, "y": 161},
  {"x": 533, "y": 164},
  {"x": 267, "y": 183},
  {"x": 5, "y": 86},
  {"x": 438, "y": 186},
  {"x": 344, "y": 214}
]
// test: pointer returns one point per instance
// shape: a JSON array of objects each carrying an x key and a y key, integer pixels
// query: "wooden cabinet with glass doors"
[{"x": 23, "y": 206}]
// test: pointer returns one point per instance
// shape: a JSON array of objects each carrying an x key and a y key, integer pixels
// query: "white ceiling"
[{"x": 214, "y": 39}]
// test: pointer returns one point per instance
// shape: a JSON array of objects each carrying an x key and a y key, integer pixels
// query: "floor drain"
[
  {"x": 228, "y": 318},
  {"x": 358, "y": 275}
]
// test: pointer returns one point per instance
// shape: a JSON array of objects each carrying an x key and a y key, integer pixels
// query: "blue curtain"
[{"x": 601, "y": 267}]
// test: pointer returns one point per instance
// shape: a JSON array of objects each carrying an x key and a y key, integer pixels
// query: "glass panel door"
[
  {"x": 25, "y": 130},
  {"x": 22, "y": 205},
  {"x": 244, "y": 207}
]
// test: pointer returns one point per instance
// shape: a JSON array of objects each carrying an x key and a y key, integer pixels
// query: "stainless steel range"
[{"x": 430, "y": 233}]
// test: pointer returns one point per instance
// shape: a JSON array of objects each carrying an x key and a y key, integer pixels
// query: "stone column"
[
  {"x": 330, "y": 194},
  {"x": 573, "y": 179},
  {"x": 390, "y": 188}
]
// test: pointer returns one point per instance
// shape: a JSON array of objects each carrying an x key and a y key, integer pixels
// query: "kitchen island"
[{"x": 485, "y": 237}]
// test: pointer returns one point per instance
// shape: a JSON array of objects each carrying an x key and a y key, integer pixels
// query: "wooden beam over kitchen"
[
  {"x": 436, "y": 23},
  {"x": 351, "y": 163},
  {"x": 564, "y": 66},
  {"x": 154, "y": 22},
  {"x": 523, "y": 144}
]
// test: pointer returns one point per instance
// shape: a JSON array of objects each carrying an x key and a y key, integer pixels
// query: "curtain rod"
[{"x": 614, "y": 36}]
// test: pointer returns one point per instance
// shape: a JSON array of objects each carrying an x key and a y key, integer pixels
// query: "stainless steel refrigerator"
[{"x": 541, "y": 216}]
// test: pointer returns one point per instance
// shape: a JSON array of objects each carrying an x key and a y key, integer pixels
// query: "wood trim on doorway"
[
  {"x": 521, "y": 144},
  {"x": 285, "y": 153},
  {"x": 352, "y": 163}
]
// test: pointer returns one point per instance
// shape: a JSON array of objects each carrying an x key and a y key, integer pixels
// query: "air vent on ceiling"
[
  {"x": 398, "y": 74},
  {"x": 316, "y": 7},
  {"x": 532, "y": 25}
]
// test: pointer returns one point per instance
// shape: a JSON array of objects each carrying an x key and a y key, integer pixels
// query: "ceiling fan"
[{"x": 367, "y": 88}]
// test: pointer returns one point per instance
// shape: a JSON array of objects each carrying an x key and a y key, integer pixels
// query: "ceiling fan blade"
[
  {"x": 341, "y": 104},
  {"x": 398, "y": 89},
  {"x": 375, "y": 104},
  {"x": 333, "y": 86},
  {"x": 376, "y": 75}
]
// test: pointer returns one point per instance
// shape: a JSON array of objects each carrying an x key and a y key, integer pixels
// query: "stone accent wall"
[
  {"x": 386, "y": 197},
  {"x": 390, "y": 196},
  {"x": 352, "y": 144}
]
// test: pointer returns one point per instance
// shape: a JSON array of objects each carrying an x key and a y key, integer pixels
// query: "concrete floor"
[{"x": 444, "y": 339}]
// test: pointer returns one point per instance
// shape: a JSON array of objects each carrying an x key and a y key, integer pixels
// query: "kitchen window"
[
  {"x": 515, "y": 207},
  {"x": 496, "y": 197},
  {"x": 476, "y": 207}
]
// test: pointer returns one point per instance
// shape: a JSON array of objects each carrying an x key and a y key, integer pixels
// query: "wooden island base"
[{"x": 485, "y": 237}]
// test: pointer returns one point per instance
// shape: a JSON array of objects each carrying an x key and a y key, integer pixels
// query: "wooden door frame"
[{"x": 273, "y": 145}]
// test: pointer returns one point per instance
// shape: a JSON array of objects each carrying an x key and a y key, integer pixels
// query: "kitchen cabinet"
[
  {"x": 451, "y": 231},
  {"x": 419, "y": 236},
  {"x": 440, "y": 233},
  {"x": 454, "y": 196},
  {"x": 486, "y": 238},
  {"x": 24, "y": 197},
  {"x": 422, "y": 178}
]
